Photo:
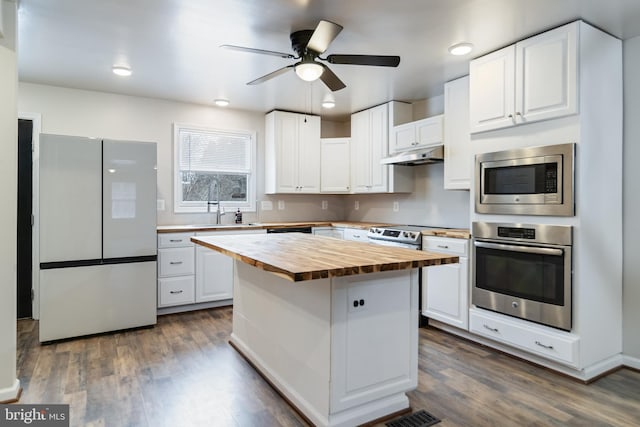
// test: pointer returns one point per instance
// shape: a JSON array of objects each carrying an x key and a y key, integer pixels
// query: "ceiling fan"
[{"x": 308, "y": 46}]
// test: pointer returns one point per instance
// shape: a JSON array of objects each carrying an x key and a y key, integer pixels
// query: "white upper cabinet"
[
  {"x": 370, "y": 144},
  {"x": 420, "y": 133},
  {"x": 535, "y": 79},
  {"x": 292, "y": 153},
  {"x": 335, "y": 165},
  {"x": 458, "y": 158}
]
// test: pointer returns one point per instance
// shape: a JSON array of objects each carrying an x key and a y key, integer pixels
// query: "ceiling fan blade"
[
  {"x": 271, "y": 75},
  {"x": 261, "y": 51},
  {"x": 379, "y": 60},
  {"x": 331, "y": 80},
  {"x": 323, "y": 35}
]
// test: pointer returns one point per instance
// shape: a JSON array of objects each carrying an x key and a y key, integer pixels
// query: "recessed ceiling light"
[
  {"x": 120, "y": 70},
  {"x": 221, "y": 102},
  {"x": 460, "y": 49}
]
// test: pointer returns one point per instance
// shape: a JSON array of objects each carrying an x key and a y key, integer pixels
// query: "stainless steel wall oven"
[
  {"x": 524, "y": 271},
  {"x": 526, "y": 181}
]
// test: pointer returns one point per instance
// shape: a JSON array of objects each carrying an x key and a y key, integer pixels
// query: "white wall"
[
  {"x": 631, "y": 201},
  {"x": 87, "y": 113},
  {"x": 8, "y": 169},
  {"x": 429, "y": 204}
]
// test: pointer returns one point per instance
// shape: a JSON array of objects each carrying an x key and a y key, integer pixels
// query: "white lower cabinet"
[
  {"x": 175, "y": 291},
  {"x": 334, "y": 232},
  {"x": 176, "y": 269},
  {"x": 445, "y": 288},
  {"x": 356, "y": 234},
  {"x": 214, "y": 275},
  {"x": 373, "y": 342},
  {"x": 552, "y": 344},
  {"x": 214, "y": 271},
  {"x": 192, "y": 274}
]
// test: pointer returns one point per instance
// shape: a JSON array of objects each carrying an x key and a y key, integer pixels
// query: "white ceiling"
[{"x": 173, "y": 49}]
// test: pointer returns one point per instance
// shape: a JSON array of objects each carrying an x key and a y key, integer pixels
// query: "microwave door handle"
[{"x": 525, "y": 249}]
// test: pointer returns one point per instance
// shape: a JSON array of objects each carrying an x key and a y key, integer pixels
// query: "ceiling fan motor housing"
[{"x": 299, "y": 41}]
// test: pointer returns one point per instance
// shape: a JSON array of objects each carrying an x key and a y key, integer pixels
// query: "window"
[{"x": 213, "y": 165}]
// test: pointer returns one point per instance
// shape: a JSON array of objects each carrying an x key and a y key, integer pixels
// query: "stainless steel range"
[{"x": 404, "y": 236}]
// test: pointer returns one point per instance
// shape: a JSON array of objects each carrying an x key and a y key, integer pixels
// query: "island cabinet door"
[{"x": 374, "y": 343}]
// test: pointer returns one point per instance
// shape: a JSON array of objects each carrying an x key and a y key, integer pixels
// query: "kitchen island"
[{"x": 332, "y": 324}]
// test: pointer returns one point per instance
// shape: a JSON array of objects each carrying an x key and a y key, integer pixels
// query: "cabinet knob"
[
  {"x": 518, "y": 113},
  {"x": 510, "y": 116}
]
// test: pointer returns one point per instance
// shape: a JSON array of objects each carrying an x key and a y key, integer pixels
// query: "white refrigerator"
[{"x": 97, "y": 235}]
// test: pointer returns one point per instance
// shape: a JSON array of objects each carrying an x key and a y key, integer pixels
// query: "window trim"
[{"x": 179, "y": 206}]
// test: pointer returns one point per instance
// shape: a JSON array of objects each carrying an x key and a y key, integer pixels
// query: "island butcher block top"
[{"x": 298, "y": 256}]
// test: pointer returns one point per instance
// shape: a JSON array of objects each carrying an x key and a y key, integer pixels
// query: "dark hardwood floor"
[{"x": 184, "y": 373}]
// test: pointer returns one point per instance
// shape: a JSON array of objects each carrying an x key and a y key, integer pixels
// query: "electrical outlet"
[
  {"x": 396, "y": 206},
  {"x": 325, "y": 205},
  {"x": 356, "y": 205},
  {"x": 280, "y": 205},
  {"x": 266, "y": 205},
  {"x": 160, "y": 204}
]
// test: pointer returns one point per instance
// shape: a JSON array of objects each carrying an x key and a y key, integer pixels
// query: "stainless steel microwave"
[{"x": 526, "y": 181}]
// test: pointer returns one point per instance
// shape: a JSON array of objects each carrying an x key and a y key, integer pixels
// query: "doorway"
[{"x": 25, "y": 219}]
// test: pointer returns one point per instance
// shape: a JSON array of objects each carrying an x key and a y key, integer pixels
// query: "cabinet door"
[
  {"x": 429, "y": 131},
  {"x": 404, "y": 137},
  {"x": 374, "y": 343},
  {"x": 308, "y": 148},
  {"x": 214, "y": 275},
  {"x": 492, "y": 90},
  {"x": 445, "y": 293},
  {"x": 286, "y": 141},
  {"x": 379, "y": 146},
  {"x": 335, "y": 165},
  {"x": 458, "y": 160},
  {"x": 360, "y": 152},
  {"x": 546, "y": 75}
]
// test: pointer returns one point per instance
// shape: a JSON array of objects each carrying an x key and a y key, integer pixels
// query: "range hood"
[{"x": 420, "y": 156}]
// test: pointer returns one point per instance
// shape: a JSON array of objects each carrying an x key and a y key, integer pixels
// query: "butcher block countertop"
[
  {"x": 458, "y": 233},
  {"x": 298, "y": 257},
  {"x": 265, "y": 225}
]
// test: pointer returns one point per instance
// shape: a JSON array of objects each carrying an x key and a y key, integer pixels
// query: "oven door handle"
[{"x": 525, "y": 249}]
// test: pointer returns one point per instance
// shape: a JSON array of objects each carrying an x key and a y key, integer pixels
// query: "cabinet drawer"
[
  {"x": 558, "y": 346},
  {"x": 175, "y": 261},
  {"x": 355, "y": 234},
  {"x": 446, "y": 245},
  {"x": 175, "y": 291},
  {"x": 174, "y": 240}
]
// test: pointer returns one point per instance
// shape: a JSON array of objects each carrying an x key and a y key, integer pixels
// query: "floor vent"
[{"x": 418, "y": 419}]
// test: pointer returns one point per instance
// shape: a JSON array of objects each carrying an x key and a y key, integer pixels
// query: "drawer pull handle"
[
  {"x": 175, "y": 240},
  {"x": 175, "y": 262},
  {"x": 548, "y": 347},
  {"x": 490, "y": 328},
  {"x": 443, "y": 246},
  {"x": 176, "y": 292}
]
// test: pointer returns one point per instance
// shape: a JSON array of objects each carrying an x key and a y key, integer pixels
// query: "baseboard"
[
  {"x": 11, "y": 394},
  {"x": 631, "y": 362},
  {"x": 193, "y": 307}
]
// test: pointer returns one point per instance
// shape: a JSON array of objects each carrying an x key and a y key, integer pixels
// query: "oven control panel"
[{"x": 517, "y": 233}]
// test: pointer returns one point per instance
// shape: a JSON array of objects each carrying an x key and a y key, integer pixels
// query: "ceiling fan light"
[
  {"x": 309, "y": 71},
  {"x": 120, "y": 70},
  {"x": 460, "y": 49}
]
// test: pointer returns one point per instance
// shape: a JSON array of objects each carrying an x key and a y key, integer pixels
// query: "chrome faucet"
[{"x": 219, "y": 209}]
